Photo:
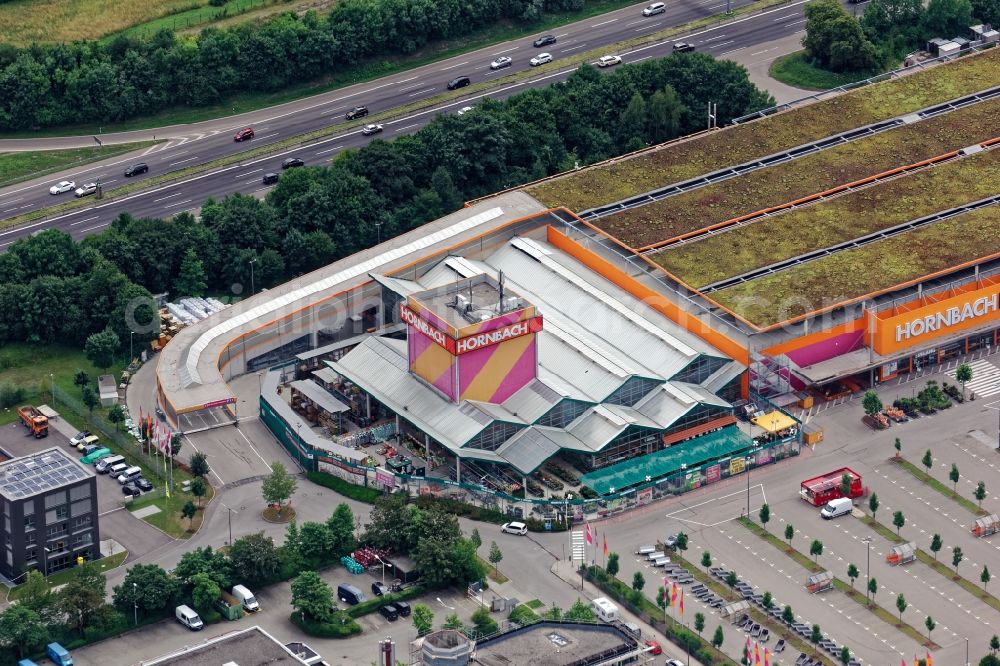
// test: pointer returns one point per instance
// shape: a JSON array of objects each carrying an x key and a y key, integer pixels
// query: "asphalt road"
[{"x": 317, "y": 112}]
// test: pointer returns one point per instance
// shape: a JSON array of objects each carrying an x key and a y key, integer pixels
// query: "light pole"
[
  {"x": 135, "y": 603},
  {"x": 131, "y": 354},
  {"x": 868, "y": 562},
  {"x": 383, "y": 568},
  {"x": 966, "y": 651},
  {"x": 252, "y": 262},
  {"x": 231, "y": 511},
  {"x": 52, "y": 383}
]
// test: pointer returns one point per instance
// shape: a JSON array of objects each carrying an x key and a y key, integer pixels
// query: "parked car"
[
  {"x": 292, "y": 162},
  {"x": 540, "y": 59},
  {"x": 368, "y": 130},
  {"x": 90, "y": 448},
  {"x": 79, "y": 437},
  {"x": 403, "y": 608},
  {"x": 459, "y": 82},
  {"x": 515, "y": 528},
  {"x": 683, "y": 47},
  {"x": 545, "y": 41},
  {"x": 357, "y": 112},
  {"x": 609, "y": 61},
  {"x": 655, "y": 8},
  {"x": 143, "y": 484},
  {"x": 136, "y": 169},
  {"x": 379, "y": 589},
  {"x": 84, "y": 190},
  {"x": 130, "y": 490},
  {"x": 270, "y": 178},
  {"x": 389, "y": 612},
  {"x": 501, "y": 62},
  {"x": 657, "y": 648},
  {"x": 244, "y": 134},
  {"x": 62, "y": 186}
]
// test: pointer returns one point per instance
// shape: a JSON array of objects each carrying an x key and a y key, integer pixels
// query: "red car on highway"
[{"x": 244, "y": 134}]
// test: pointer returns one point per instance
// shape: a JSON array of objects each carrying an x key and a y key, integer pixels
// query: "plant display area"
[
  {"x": 874, "y": 267},
  {"x": 773, "y": 186},
  {"x": 735, "y": 145},
  {"x": 881, "y": 206}
]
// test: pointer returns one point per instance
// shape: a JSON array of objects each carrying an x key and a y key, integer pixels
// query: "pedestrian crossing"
[
  {"x": 985, "y": 378},
  {"x": 579, "y": 547}
]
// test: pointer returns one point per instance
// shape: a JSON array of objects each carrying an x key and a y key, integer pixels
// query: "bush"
[
  {"x": 370, "y": 606},
  {"x": 538, "y": 525},
  {"x": 342, "y": 626},
  {"x": 217, "y": 3},
  {"x": 471, "y": 511},
  {"x": 345, "y": 488},
  {"x": 523, "y": 615},
  {"x": 11, "y": 395}
]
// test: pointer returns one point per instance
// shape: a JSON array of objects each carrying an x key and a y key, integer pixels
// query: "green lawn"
[
  {"x": 17, "y": 167},
  {"x": 200, "y": 16},
  {"x": 795, "y": 70},
  {"x": 169, "y": 517},
  {"x": 104, "y": 565}
]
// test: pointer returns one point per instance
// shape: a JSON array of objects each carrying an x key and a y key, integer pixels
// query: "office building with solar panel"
[{"x": 48, "y": 513}]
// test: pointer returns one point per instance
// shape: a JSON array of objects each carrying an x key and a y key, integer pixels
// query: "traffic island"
[
  {"x": 278, "y": 514},
  {"x": 931, "y": 482}
]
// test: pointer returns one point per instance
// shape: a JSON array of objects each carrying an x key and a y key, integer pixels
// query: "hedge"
[
  {"x": 372, "y": 605},
  {"x": 345, "y": 628},
  {"x": 345, "y": 488}
]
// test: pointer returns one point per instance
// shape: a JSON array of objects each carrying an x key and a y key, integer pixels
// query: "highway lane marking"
[
  {"x": 712, "y": 39},
  {"x": 420, "y": 92},
  {"x": 11, "y": 209},
  {"x": 764, "y": 51},
  {"x": 175, "y": 194},
  {"x": 715, "y": 46},
  {"x": 597, "y": 25},
  {"x": 183, "y": 161},
  {"x": 629, "y": 25},
  {"x": 83, "y": 231},
  {"x": 407, "y": 127},
  {"x": 89, "y": 219},
  {"x": 562, "y": 35},
  {"x": 242, "y": 175},
  {"x": 797, "y": 22},
  {"x": 782, "y": 18},
  {"x": 179, "y": 203},
  {"x": 573, "y": 48},
  {"x": 445, "y": 69},
  {"x": 411, "y": 87},
  {"x": 14, "y": 200},
  {"x": 267, "y": 136},
  {"x": 513, "y": 48},
  {"x": 329, "y": 150},
  {"x": 647, "y": 27}
]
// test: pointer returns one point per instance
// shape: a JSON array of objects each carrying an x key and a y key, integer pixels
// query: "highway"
[{"x": 201, "y": 143}]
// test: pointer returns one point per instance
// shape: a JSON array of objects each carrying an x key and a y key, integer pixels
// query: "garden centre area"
[{"x": 707, "y": 152}]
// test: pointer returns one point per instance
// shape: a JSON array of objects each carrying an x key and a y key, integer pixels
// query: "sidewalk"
[{"x": 758, "y": 58}]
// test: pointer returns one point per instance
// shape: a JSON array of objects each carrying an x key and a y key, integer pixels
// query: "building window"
[
  {"x": 31, "y": 539},
  {"x": 563, "y": 414},
  {"x": 28, "y": 508},
  {"x": 81, "y": 507},
  {"x": 82, "y": 522},
  {"x": 493, "y": 435},
  {"x": 31, "y": 554},
  {"x": 81, "y": 540},
  {"x": 79, "y": 492},
  {"x": 55, "y": 499},
  {"x": 55, "y": 530},
  {"x": 632, "y": 391},
  {"x": 700, "y": 369},
  {"x": 29, "y": 523}
]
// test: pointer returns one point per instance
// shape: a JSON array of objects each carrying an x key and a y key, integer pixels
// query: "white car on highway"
[
  {"x": 62, "y": 186},
  {"x": 464, "y": 110},
  {"x": 541, "y": 59},
  {"x": 84, "y": 190},
  {"x": 501, "y": 62},
  {"x": 609, "y": 60},
  {"x": 368, "y": 130}
]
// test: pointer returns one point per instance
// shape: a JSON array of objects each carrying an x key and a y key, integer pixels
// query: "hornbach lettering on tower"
[
  {"x": 498, "y": 335},
  {"x": 946, "y": 318},
  {"x": 413, "y": 319}
]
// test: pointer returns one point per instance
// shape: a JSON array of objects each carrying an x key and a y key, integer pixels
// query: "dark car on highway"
[
  {"x": 136, "y": 169},
  {"x": 459, "y": 82},
  {"x": 292, "y": 162},
  {"x": 545, "y": 41},
  {"x": 244, "y": 134},
  {"x": 683, "y": 47},
  {"x": 357, "y": 112},
  {"x": 270, "y": 178}
]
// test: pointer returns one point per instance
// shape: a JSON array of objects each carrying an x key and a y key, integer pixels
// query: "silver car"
[
  {"x": 501, "y": 62},
  {"x": 84, "y": 190},
  {"x": 62, "y": 186}
]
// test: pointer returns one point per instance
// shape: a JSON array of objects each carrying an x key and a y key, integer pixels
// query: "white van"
[
  {"x": 129, "y": 475},
  {"x": 246, "y": 598},
  {"x": 116, "y": 470},
  {"x": 104, "y": 465},
  {"x": 604, "y": 609},
  {"x": 836, "y": 508},
  {"x": 186, "y": 616}
]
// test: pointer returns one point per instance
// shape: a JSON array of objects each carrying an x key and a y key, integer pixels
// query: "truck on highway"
[
  {"x": 34, "y": 420},
  {"x": 830, "y": 486}
]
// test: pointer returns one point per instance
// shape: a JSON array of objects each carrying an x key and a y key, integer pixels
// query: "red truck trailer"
[
  {"x": 821, "y": 489},
  {"x": 34, "y": 420}
]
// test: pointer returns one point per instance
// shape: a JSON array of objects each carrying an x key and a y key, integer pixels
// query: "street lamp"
[
  {"x": 231, "y": 512},
  {"x": 135, "y": 603},
  {"x": 252, "y": 262},
  {"x": 868, "y": 562},
  {"x": 131, "y": 354},
  {"x": 383, "y": 568},
  {"x": 45, "y": 565}
]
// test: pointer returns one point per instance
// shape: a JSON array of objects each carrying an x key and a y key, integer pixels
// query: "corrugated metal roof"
[
  {"x": 326, "y": 375},
  {"x": 452, "y": 269},
  {"x": 597, "y": 426},
  {"x": 319, "y": 395},
  {"x": 493, "y": 412},
  {"x": 723, "y": 376},
  {"x": 562, "y": 366},
  {"x": 633, "y": 416},
  {"x": 397, "y": 285},
  {"x": 527, "y": 450},
  {"x": 532, "y": 400},
  {"x": 701, "y": 394},
  {"x": 379, "y": 366},
  {"x": 665, "y": 405}
]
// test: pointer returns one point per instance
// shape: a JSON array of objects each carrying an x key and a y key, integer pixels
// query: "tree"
[
  {"x": 764, "y": 515},
  {"x": 963, "y": 374},
  {"x": 191, "y": 279},
  {"x": 176, "y": 442},
  {"x": 189, "y": 511},
  {"x": 663, "y": 115},
  {"x": 699, "y": 622},
  {"x": 852, "y": 573},
  {"x": 987, "y": 11},
  {"x": 89, "y": 399},
  {"x": 83, "y": 596},
  {"x": 873, "y": 504},
  {"x": 199, "y": 489},
  {"x": 845, "y": 655},
  {"x": 706, "y": 559},
  {"x": 632, "y": 124},
  {"x": 612, "y": 566},
  {"x": 254, "y": 559},
  {"x": 453, "y": 622},
  {"x": 116, "y": 414},
  {"x": 661, "y": 597},
  {"x": 36, "y": 593},
  {"x": 816, "y": 635},
  {"x": 553, "y": 613},
  {"x": 315, "y": 543},
  {"x": 100, "y": 348},
  {"x": 954, "y": 476},
  {"x": 985, "y": 577},
  {"x": 836, "y": 42},
  {"x": 495, "y": 556},
  {"x": 787, "y": 614},
  {"x": 871, "y": 403},
  {"x": 476, "y": 540},
  {"x": 580, "y": 610},
  {"x": 279, "y": 486},
  {"x": 980, "y": 493},
  {"x": 789, "y": 533},
  {"x": 898, "y": 445},
  {"x": 23, "y": 629},
  {"x": 390, "y": 524},
  {"x": 872, "y": 588},
  {"x": 312, "y": 597},
  {"x": 682, "y": 541},
  {"x": 901, "y": 605},
  {"x": 199, "y": 464},
  {"x": 148, "y": 588},
  {"x": 845, "y": 485},
  {"x": 930, "y": 624},
  {"x": 638, "y": 581},
  {"x": 898, "y": 520},
  {"x": 717, "y": 638},
  {"x": 994, "y": 644},
  {"x": 989, "y": 660},
  {"x": 936, "y": 544},
  {"x": 956, "y": 557},
  {"x": 816, "y": 549},
  {"x": 81, "y": 379},
  {"x": 205, "y": 591},
  {"x": 732, "y": 579},
  {"x": 947, "y": 17},
  {"x": 213, "y": 563},
  {"x": 423, "y": 619},
  {"x": 928, "y": 462},
  {"x": 768, "y": 601},
  {"x": 441, "y": 553},
  {"x": 340, "y": 524},
  {"x": 882, "y": 18}
]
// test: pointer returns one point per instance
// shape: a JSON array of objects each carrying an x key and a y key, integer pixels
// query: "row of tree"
[
  {"x": 89, "y": 81},
  {"x": 53, "y": 289},
  {"x": 887, "y": 30}
]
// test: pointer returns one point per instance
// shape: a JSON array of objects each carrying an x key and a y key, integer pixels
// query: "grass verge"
[
  {"x": 839, "y": 584},
  {"x": 534, "y": 604},
  {"x": 930, "y": 481},
  {"x": 104, "y": 565},
  {"x": 18, "y": 167},
  {"x": 795, "y": 70},
  {"x": 492, "y": 572},
  {"x": 198, "y": 16},
  {"x": 168, "y": 518}
]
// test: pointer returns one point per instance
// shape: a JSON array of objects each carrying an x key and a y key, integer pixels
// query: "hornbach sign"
[
  {"x": 945, "y": 317},
  {"x": 472, "y": 342}
]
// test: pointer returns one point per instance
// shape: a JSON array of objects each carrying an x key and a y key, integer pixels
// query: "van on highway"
[{"x": 836, "y": 508}]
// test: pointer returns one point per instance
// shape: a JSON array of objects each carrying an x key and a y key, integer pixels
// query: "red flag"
[
  {"x": 930, "y": 661},
  {"x": 590, "y": 537},
  {"x": 605, "y": 544},
  {"x": 682, "y": 602},
  {"x": 673, "y": 593},
  {"x": 756, "y": 653},
  {"x": 767, "y": 657},
  {"x": 904, "y": 662}
]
